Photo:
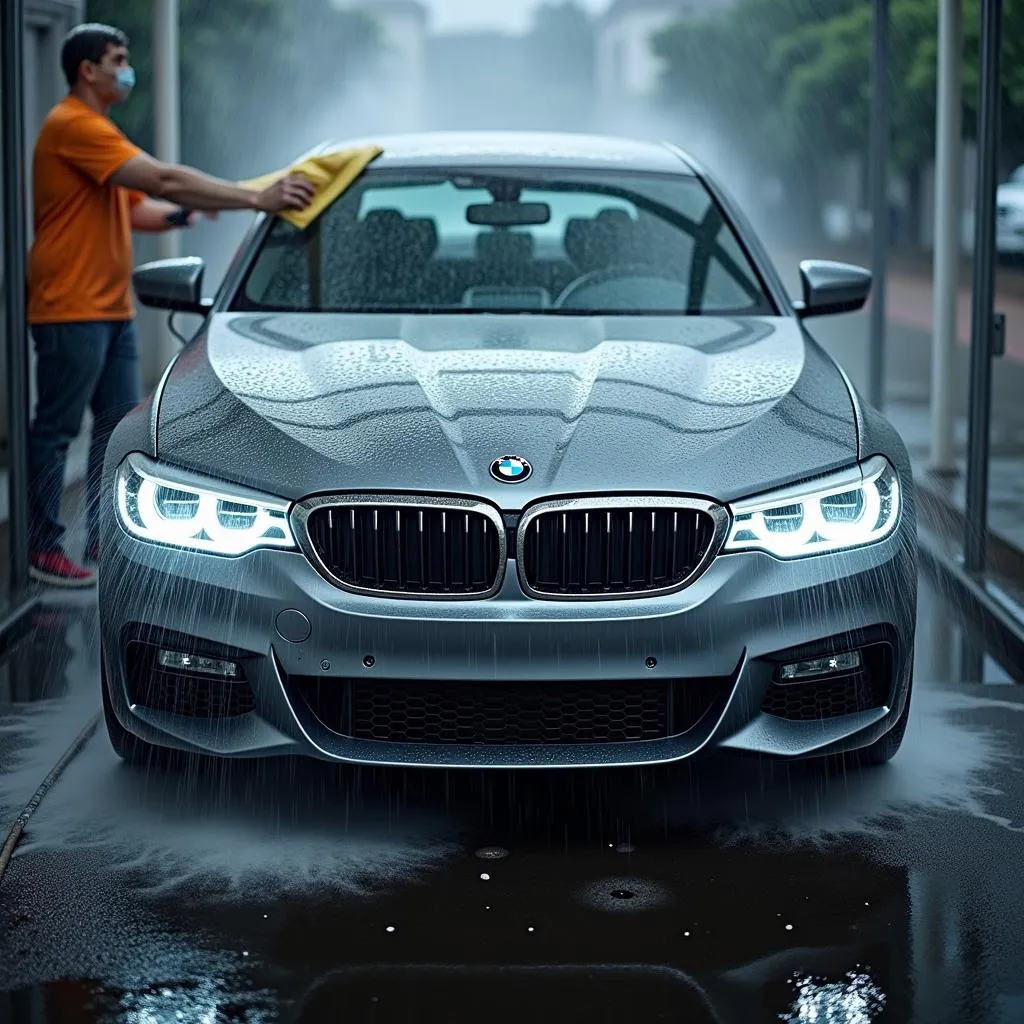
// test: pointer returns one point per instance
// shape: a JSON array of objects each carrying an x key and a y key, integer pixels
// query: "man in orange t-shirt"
[{"x": 92, "y": 188}]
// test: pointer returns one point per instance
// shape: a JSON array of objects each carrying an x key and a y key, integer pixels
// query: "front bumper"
[{"x": 722, "y": 633}]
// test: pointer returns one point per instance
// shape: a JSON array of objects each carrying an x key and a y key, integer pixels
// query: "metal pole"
[
  {"x": 12, "y": 36},
  {"x": 879, "y": 161},
  {"x": 167, "y": 125},
  {"x": 982, "y": 311},
  {"x": 948, "y": 210}
]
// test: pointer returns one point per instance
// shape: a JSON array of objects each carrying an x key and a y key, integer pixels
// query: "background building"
[
  {"x": 626, "y": 66},
  {"x": 401, "y": 60}
]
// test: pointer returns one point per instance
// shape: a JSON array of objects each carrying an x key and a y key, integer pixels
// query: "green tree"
[
  {"x": 834, "y": 59},
  {"x": 825, "y": 73},
  {"x": 256, "y": 75},
  {"x": 731, "y": 72},
  {"x": 923, "y": 72},
  {"x": 793, "y": 77},
  {"x": 734, "y": 67}
]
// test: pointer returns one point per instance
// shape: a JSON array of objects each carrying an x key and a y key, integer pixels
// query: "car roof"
[{"x": 516, "y": 149}]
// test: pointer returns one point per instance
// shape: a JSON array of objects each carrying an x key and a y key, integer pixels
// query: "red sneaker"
[{"x": 55, "y": 569}]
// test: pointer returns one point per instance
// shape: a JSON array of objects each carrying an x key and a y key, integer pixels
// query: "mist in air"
[{"x": 352, "y": 76}]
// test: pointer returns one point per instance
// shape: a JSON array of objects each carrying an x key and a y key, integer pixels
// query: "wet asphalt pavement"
[{"x": 722, "y": 890}]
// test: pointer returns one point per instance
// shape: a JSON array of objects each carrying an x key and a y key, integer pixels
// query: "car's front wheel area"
[
  {"x": 130, "y": 748},
  {"x": 885, "y": 748}
]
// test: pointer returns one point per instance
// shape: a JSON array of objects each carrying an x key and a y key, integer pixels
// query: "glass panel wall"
[{"x": 46, "y": 23}]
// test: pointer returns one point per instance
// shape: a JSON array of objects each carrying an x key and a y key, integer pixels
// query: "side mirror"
[
  {"x": 832, "y": 288},
  {"x": 176, "y": 285}
]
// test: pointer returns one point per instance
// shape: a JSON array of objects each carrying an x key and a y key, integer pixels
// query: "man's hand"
[{"x": 292, "y": 192}]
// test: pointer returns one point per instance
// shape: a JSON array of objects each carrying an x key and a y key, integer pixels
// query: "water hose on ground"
[{"x": 44, "y": 787}]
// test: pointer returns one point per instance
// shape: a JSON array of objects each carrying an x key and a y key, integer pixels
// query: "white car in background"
[{"x": 1010, "y": 216}]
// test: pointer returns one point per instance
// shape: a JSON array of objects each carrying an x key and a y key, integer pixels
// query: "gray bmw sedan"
[{"x": 518, "y": 456}]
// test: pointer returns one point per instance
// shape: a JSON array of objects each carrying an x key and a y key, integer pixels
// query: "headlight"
[
  {"x": 170, "y": 507},
  {"x": 857, "y": 506}
]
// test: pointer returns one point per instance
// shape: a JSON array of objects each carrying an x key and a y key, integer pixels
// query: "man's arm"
[
  {"x": 184, "y": 186},
  {"x": 94, "y": 146}
]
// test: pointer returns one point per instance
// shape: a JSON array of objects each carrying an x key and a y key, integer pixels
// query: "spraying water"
[{"x": 424, "y": 76}]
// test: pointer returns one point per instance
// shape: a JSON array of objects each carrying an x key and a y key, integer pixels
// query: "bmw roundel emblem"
[{"x": 510, "y": 469}]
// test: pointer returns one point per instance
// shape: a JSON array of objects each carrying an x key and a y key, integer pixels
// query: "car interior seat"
[
  {"x": 610, "y": 239},
  {"x": 385, "y": 260},
  {"x": 505, "y": 257}
]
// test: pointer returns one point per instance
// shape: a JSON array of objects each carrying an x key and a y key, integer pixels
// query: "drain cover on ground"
[{"x": 624, "y": 895}]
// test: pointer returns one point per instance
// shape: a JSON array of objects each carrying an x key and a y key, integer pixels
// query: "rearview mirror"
[
  {"x": 176, "y": 285},
  {"x": 508, "y": 215},
  {"x": 830, "y": 287}
]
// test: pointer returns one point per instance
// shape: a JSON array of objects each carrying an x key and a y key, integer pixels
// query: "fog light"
[
  {"x": 178, "y": 661},
  {"x": 829, "y": 666}
]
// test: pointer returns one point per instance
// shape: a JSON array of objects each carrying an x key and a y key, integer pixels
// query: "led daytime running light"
[
  {"x": 876, "y": 487},
  {"x": 139, "y": 511}
]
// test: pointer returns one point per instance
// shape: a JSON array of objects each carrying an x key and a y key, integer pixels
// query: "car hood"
[{"x": 294, "y": 405}]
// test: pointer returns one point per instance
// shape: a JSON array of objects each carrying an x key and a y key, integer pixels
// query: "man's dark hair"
[{"x": 87, "y": 42}]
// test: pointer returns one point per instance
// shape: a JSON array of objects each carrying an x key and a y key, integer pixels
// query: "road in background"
[{"x": 908, "y": 380}]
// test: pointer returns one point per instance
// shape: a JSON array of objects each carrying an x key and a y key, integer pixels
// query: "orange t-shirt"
[{"x": 80, "y": 266}]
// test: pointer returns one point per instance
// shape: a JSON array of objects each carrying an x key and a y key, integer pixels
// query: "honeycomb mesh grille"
[{"x": 493, "y": 713}]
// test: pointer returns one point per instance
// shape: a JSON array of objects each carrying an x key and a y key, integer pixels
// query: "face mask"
[{"x": 124, "y": 80}]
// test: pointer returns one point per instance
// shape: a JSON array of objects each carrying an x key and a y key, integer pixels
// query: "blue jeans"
[{"x": 93, "y": 364}]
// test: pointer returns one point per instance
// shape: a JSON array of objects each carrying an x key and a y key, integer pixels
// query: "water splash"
[
  {"x": 278, "y": 826},
  {"x": 945, "y": 765},
  {"x": 855, "y": 1000}
]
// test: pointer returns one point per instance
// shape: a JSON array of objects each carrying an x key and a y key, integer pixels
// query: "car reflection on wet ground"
[{"x": 721, "y": 890}]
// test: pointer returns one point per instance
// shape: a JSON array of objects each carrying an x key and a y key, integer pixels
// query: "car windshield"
[{"x": 504, "y": 241}]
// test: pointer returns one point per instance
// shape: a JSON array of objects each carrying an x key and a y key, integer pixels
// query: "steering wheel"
[{"x": 618, "y": 272}]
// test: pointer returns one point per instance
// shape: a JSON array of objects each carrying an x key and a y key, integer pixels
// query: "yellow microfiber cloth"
[{"x": 331, "y": 173}]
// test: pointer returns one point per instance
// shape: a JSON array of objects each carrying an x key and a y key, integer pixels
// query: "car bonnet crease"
[{"x": 297, "y": 404}]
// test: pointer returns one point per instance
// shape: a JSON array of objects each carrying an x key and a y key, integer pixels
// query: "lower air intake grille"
[
  {"x": 811, "y": 700},
  {"x": 408, "y": 549},
  {"x": 197, "y": 696},
  {"x": 473, "y": 713},
  {"x": 602, "y": 552}
]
